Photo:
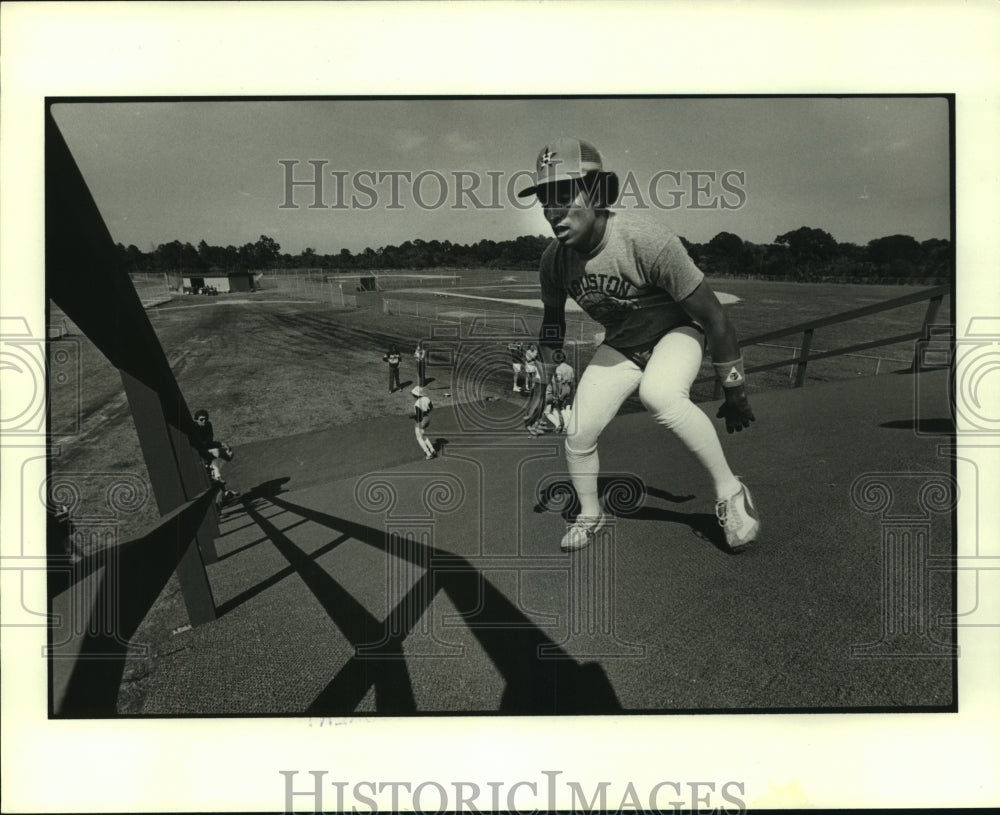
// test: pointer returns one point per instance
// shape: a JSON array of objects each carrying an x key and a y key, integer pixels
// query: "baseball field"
[{"x": 287, "y": 360}]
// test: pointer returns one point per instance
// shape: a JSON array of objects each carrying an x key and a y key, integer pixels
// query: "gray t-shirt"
[{"x": 632, "y": 283}]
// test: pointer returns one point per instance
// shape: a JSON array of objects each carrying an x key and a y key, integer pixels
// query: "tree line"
[
  {"x": 806, "y": 254},
  {"x": 809, "y": 254}
]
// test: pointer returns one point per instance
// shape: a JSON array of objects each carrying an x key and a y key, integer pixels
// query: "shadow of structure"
[
  {"x": 95, "y": 611},
  {"x": 926, "y": 426},
  {"x": 539, "y": 676}
]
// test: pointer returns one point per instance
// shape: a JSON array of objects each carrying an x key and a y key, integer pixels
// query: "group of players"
[
  {"x": 422, "y": 405},
  {"x": 550, "y": 403}
]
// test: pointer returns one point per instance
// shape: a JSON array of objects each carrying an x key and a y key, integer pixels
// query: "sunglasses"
[{"x": 561, "y": 194}]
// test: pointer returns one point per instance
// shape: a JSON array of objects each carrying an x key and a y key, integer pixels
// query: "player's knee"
[
  {"x": 576, "y": 451},
  {"x": 667, "y": 409}
]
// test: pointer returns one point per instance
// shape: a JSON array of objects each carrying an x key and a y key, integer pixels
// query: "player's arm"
[{"x": 703, "y": 306}]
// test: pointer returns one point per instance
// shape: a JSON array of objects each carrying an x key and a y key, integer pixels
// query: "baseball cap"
[{"x": 564, "y": 159}]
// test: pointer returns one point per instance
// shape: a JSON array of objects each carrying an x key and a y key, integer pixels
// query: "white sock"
[{"x": 583, "y": 469}]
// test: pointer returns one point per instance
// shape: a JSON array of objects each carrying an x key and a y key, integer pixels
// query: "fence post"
[
  {"x": 933, "y": 305},
  {"x": 791, "y": 368},
  {"x": 800, "y": 373}
]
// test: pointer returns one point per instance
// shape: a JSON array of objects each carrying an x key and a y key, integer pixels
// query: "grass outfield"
[{"x": 276, "y": 363}]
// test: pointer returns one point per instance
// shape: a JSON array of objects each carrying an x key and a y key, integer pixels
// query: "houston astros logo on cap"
[{"x": 564, "y": 159}]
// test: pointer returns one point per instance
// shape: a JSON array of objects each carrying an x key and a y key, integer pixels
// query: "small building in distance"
[{"x": 217, "y": 282}]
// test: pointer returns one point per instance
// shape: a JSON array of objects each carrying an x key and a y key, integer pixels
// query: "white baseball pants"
[{"x": 664, "y": 388}]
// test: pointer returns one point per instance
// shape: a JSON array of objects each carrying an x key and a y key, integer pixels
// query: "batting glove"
[{"x": 736, "y": 410}]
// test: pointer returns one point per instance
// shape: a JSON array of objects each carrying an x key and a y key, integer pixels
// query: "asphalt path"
[{"x": 355, "y": 577}]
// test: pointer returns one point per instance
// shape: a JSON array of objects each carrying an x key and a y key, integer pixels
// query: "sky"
[{"x": 858, "y": 167}]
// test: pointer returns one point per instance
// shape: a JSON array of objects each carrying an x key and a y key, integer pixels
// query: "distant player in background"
[
  {"x": 531, "y": 363},
  {"x": 559, "y": 397},
  {"x": 535, "y": 388},
  {"x": 632, "y": 274},
  {"x": 393, "y": 358},
  {"x": 517, "y": 362},
  {"x": 420, "y": 355},
  {"x": 422, "y": 408},
  {"x": 213, "y": 452}
]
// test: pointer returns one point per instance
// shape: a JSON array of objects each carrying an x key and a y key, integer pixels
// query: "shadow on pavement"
[
  {"x": 625, "y": 495},
  {"x": 932, "y": 427},
  {"x": 556, "y": 684},
  {"x": 116, "y": 586}
]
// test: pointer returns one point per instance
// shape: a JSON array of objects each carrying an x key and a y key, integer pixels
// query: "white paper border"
[{"x": 152, "y": 49}]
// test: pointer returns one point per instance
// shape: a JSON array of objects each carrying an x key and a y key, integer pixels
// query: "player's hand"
[{"x": 736, "y": 410}]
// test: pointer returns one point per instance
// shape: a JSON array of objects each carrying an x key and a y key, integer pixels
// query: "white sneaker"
[
  {"x": 738, "y": 516},
  {"x": 582, "y": 531}
]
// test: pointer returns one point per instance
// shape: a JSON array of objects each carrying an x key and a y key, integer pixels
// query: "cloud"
[
  {"x": 897, "y": 146},
  {"x": 406, "y": 140},
  {"x": 460, "y": 143}
]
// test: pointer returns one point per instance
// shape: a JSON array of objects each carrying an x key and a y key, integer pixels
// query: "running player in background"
[
  {"x": 633, "y": 275},
  {"x": 422, "y": 408}
]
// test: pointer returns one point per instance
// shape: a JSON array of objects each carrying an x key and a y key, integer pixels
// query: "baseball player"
[
  {"x": 422, "y": 408},
  {"x": 213, "y": 453},
  {"x": 534, "y": 386},
  {"x": 531, "y": 362},
  {"x": 517, "y": 362},
  {"x": 393, "y": 358},
  {"x": 632, "y": 274},
  {"x": 420, "y": 355}
]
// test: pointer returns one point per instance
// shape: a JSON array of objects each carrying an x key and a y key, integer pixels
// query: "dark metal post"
[
  {"x": 800, "y": 370},
  {"x": 84, "y": 276}
]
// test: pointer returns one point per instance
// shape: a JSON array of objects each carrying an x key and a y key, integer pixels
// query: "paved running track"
[{"x": 355, "y": 577}]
